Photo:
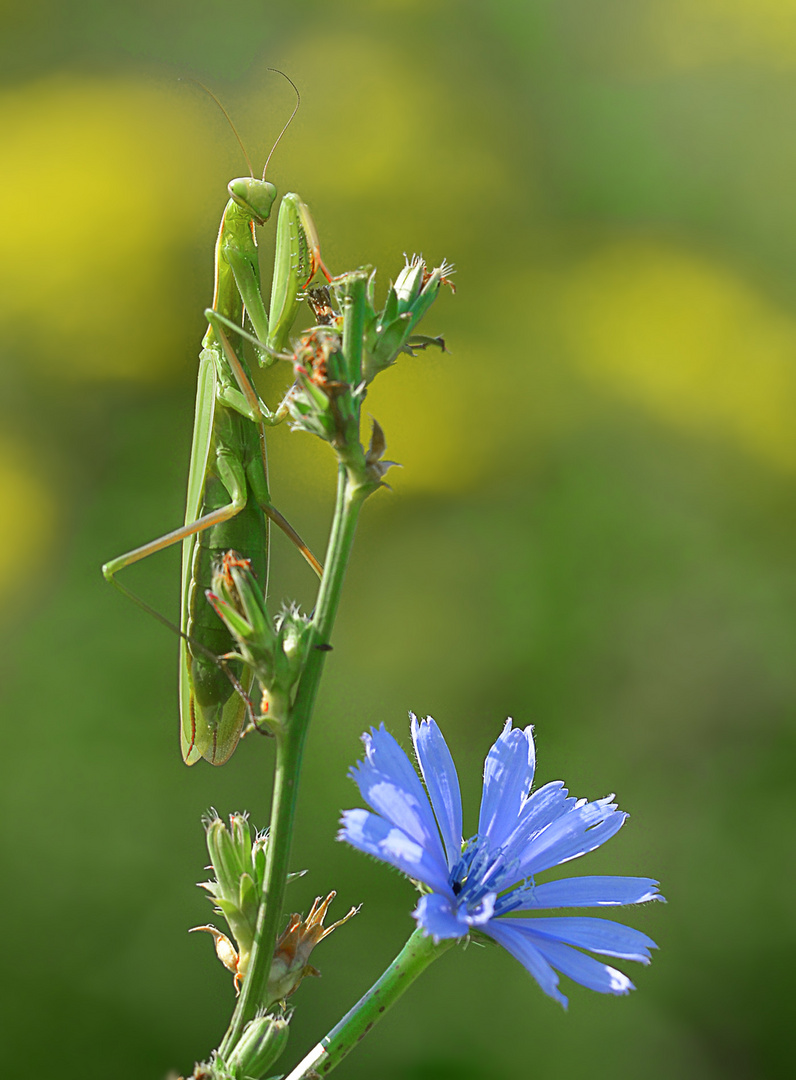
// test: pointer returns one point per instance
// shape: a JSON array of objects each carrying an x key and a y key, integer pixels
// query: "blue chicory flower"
[{"x": 475, "y": 885}]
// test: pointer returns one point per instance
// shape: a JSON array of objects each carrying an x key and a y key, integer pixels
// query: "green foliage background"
[{"x": 593, "y": 530}]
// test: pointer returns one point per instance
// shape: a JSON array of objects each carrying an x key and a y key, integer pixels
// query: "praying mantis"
[{"x": 228, "y": 504}]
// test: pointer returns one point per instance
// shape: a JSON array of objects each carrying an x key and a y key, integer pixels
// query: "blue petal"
[
  {"x": 591, "y": 892},
  {"x": 375, "y": 836},
  {"x": 385, "y": 754},
  {"x": 399, "y": 808},
  {"x": 522, "y": 949},
  {"x": 438, "y": 917},
  {"x": 390, "y": 785},
  {"x": 539, "y": 810},
  {"x": 442, "y": 783},
  {"x": 599, "y": 935},
  {"x": 579, "y": 830},
  {"x": 508, "y": 775},
  {"x": 581, "y": 968}
]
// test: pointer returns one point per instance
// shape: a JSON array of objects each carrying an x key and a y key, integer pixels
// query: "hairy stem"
[{"x": 289, "y": 751}]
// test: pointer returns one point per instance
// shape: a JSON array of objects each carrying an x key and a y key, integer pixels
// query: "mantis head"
[{"x": 256, "y": 197}]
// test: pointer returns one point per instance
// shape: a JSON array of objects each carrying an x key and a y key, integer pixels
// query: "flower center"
[{"x": 481, "y": 876}]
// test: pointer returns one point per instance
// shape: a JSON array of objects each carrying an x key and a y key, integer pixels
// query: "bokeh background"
[{"x": 593, "y": 529}]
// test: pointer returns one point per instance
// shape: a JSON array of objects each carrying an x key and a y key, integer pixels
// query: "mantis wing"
[
  {"x": 195, "y": 735},
  {"x": 212, "y": 732}
]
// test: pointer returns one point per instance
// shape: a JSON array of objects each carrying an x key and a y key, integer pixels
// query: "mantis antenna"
[
  {"x": 228, "y": 118},
  {"x": 290, "y": 118}
]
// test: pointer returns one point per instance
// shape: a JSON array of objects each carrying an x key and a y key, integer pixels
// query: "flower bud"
[
  {"x": 263, "y": 1040},
  {"x": 391, "y": 332},
  {"x": 229, "y": 850},
  {"x": 275, "y": 650},
  {"x": 409, "y": 283},
  {"x": 238, "y": 600},
  {"x": 323, "y": 401},
  {"x": 293, "y": 629},
  {"x": 238, "y": 862}
]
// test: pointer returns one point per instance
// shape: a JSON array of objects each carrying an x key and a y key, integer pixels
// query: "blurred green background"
[{"x": 593, "y": 530}]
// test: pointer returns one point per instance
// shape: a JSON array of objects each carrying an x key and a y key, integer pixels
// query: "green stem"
[
  {"x": 414, "y": 958},
  {"x": 354, "y": 325},
  {"x": 289, "y": 751}
]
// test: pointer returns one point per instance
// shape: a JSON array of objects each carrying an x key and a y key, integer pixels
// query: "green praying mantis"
[{"x": 228, "y": 504}]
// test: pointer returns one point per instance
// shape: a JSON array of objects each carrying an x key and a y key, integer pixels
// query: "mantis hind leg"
[
  {"x": 293, "y": 536},
  {"x": 207, "y": 521}
]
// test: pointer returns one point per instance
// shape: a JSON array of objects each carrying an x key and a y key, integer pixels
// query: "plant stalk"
[
  {"x": 289, "y": 752},
  {"x": 411, "y": 961}
]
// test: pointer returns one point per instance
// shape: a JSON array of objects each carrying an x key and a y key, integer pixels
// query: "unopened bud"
[
  {"x": 392, "y": 331},
  {"x": 238, "y": 600},
  {"x": 238, "y": 861},
  {"x": 262, "y": 1042},
  {"x": 229, "y": 850},
  {"x": 409, "y": 282}
]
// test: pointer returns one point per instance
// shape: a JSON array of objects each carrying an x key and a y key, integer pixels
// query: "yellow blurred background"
[{"x": 593, "y": 529}]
